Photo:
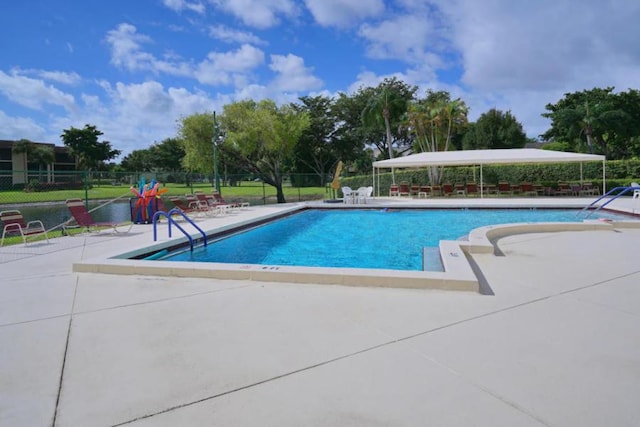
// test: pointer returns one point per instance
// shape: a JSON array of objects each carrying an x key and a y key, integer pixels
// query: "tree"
[
  {"x": 434, "y": 122},
  {"x": 24, "y": 147},
  {"x": 196, "y": 134},
  {"x": 493, "y": 130},
  {"x": 385, "y": 107},
  {"x": 314, "y": 151},
  {"x": 167, "y": 155},
  {"x": 350, "y": 134},
  {"x": 43, "y": 155},
  {"x": 262, "y": 137},
  {"x": 595, "y": 120},
  {"x": 84, "y": 144},
  {"x": 138, "y": 161}
]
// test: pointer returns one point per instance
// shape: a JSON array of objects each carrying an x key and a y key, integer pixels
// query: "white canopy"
[{"x": 487, "y": 157}]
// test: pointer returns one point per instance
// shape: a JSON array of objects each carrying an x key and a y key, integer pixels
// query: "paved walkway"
[{"x": 557, "y": 344}]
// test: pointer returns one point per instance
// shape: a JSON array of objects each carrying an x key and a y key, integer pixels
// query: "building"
[{"x": 16, "y": 170}]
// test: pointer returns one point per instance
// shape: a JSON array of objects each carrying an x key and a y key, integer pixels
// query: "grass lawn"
[{"x": 247, "y": 190}]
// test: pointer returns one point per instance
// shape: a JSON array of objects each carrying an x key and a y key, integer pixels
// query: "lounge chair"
[
  {"x": 447, "y": 189},
  {"x": 393, "y": 190},
  {"x": 220, "y": 201},
  {"x": 13, "y": 223},
  {"x": 209, "y": 204},
  {"x": 185, "y": 206},
  {"x": 84, "y": 219}
]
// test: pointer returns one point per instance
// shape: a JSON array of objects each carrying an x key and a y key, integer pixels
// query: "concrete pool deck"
[{"x": 556, "y": 344}]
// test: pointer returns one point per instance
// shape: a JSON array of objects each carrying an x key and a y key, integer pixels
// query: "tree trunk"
[{"x": 280, "y": 193}]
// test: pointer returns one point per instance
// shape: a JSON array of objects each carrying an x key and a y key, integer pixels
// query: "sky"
[{"x": 134, "y": 68}]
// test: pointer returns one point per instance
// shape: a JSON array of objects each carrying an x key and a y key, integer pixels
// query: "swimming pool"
[{"x": 362, "y": 238}]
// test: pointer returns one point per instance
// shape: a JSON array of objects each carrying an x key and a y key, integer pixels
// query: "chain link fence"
[{"x": 41, "y": 194}]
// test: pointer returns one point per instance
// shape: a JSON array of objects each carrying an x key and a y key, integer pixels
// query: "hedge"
[{"x": 619, "y": 173}]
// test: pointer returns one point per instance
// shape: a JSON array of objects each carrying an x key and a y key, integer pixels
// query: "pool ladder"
[
  {"x": 624, "y": 191},
  {"x": 170, "y": 220}
]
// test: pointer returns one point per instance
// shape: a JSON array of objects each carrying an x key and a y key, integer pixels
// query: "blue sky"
[{"x": 133, "y": 68}]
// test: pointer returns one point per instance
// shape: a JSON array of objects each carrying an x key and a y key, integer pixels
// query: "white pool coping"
[{"x": 458, "y": 273}]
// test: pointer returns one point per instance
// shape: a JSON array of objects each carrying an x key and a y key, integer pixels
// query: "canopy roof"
[{"x": 485, "y": 157}]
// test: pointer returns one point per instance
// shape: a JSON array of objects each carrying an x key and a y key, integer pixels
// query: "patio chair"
[
  {"x": 472, "y": 188},
  {"x": 447, "y": 189},
  {"x": 187, "y": 207},
  {"x": 425, "y": 191},
  {"x": 436, "y": 190},
  {"x": 404, "y": 189},
  {"x": 348, "y": 196},
  {"x": 13, "y": 223},
  {"x": 84, "y": 219},
  {"x": 563, "y": 189},
  {"x": 415, "y": 189},
  {"x": 233, "y": 205},
  {"x": 504, "y": 188},
  {"x": 527, "y": 189},
  {"x": 364, "y": 194},
  {"x": 459, "y": 189},
  {"x": 394, "y": 190}
]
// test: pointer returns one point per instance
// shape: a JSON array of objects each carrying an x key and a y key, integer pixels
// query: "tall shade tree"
[
  {"x": 350, "y": 135},
  {"x": 386, "y": 106},
  {"x": 196, "y": 133},
  {"x": 315, "y": 150},
  {"x": 137, "y": 160},
  {"x": 167, "y": 155},
  {"x": 594, "y": 120},
  {"x": 83, "y": 143},
  {"x": 493, "y": 130},
  {"x": 262, "y": 138},
  {"x": 434, "y": 122}
]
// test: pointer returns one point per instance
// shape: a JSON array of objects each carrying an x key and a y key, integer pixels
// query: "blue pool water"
[{"x": 360, "y": 238}]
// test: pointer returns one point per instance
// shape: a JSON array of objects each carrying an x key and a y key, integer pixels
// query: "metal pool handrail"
[
  {"x": 624, "y": 189},
  {"x": 172, "y": 221}
]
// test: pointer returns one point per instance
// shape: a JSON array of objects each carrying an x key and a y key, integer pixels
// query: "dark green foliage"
[
  {"x": 493, "y": 130},
  {"x": 84, "y": 144}
]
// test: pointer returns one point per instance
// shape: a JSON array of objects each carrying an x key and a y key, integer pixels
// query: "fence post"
[{"x": 86, "y": 189}]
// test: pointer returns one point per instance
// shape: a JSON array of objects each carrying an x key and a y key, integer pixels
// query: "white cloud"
[
  {"x": 293, "y": 76},
  {"x": 229, "y": 67},
  {"x": 259, "y": 13},
  {"x": 343, "y": 13},
  {"x": 33, "y": 93},
  {"x": 14, "y": 128},
  {"x": 180, "y": 5},
  {"x": 126, "y": 52},
  {"x": 68, "y": 78},
  {"x": 410, "y": 38},
  {"x": 230, "y": 35},
  {"x": 133, "y": 116},
  {"x": 547, "y": 45}
]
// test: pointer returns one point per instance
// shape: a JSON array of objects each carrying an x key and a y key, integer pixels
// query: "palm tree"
[
  {"x": 433, "y": 122},
  {"x": 43, "y": 155},
  {"x": 26, "y": 148},
  {"x": 386, "y": 107}
]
